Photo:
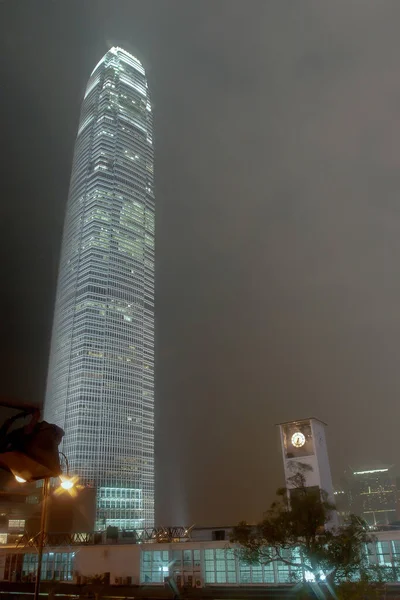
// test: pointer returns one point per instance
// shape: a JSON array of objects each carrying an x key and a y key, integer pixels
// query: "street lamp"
[
  {"x": 45, "y": 496},
  {"x": 31, "y": 453},
  {"x": 67, "y": 483}
]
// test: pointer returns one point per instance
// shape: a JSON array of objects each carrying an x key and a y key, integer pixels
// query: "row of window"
[{"x": 223, "y": 566}]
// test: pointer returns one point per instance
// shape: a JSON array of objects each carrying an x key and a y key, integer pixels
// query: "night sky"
[{"x": 277, "y": 130}]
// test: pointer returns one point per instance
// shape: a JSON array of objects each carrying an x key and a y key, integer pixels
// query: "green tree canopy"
[{"x": 297, "y": 530}]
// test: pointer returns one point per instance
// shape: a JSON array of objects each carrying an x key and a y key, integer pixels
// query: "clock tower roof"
[{"x": 299, "y": 421}]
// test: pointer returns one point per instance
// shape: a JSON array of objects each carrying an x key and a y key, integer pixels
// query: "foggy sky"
[{"x": 277, "y": 130}]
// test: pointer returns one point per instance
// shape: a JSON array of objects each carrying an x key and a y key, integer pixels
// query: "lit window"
[{"x": 16, "y": 523}]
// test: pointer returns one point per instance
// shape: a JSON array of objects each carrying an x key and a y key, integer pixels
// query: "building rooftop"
[{"x": 302, "y": 421}]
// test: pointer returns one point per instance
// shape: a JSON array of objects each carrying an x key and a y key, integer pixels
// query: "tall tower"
[
  {"x": 304, "y": 443},
  {"x": 100, "y": 387}
]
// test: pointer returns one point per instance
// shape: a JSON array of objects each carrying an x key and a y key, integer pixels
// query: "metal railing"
[{"x": 136, "y": 536}]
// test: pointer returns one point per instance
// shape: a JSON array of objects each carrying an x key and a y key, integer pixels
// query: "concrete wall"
[{"x": 119, "y": 561}]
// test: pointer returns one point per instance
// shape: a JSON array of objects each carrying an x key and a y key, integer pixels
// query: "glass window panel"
[
  {"x": 283, "y": 573},
  {"x": 220, "y": 565},
  {"x": 269, "y": 575},
  {"x": 146, "y": 556},
  {"x": 210, "y": 577},
  {"x": 383, "y": 547},
  {"x": 245, "y": 576},
  {"x": 210, "y": 565},
  {"x": 231, "y": 577},
  {"x": 257, "y": 576},
  {"x": 383, "y": 552},
  {"x": 146, "y": 573},
  {"x": 221, "y": 577}
]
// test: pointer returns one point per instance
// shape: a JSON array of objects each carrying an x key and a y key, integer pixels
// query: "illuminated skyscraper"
[{"x": 100, "y": 387}]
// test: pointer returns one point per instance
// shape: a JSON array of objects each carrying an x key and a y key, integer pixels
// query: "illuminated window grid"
[
  {"x": 56, "y": 566},
  {"x": 154, "y": 566}
]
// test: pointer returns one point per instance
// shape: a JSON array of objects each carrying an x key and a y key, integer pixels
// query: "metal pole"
[{"x": 45, "y": 495}]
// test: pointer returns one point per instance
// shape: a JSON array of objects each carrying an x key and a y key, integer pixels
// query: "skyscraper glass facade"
[{"x": 100, "y": 387}]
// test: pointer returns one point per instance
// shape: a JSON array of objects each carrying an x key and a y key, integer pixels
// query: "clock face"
[{"x": 298, "y": 439}]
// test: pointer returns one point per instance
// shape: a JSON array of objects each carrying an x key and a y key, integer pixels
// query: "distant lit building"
[
  {"x": 14, "y": 513},
  {"x": 371, "y": 493},
  {"x": 100, "y": 387},
  {"x": 341, "y": 500}
]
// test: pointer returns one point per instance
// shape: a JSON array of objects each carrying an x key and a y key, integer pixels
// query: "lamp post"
[
  {"x": 67, "y": 483},
  {"x": 43, "y": 519},
  {"x": 31, "y": 453}
]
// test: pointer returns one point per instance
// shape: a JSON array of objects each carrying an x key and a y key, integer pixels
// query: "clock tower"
[{"x": 304, "y": 443}]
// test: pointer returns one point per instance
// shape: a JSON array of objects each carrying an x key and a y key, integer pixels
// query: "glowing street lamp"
[
  {"x": 31, "y": 453},
  {"x": 67, "y": 483}
]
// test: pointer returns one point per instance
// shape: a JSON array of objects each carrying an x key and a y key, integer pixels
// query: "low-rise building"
[{"x": 87, "y": 558}]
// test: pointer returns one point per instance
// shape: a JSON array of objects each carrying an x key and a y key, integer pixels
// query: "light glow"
[
  {"x": 67, "y": 484},
  {"x": 298, "y": 439},
  {"x": 368, "y": 472},
  {"x": 20, "y": 479},
  {"x": 310, "y": 577}
]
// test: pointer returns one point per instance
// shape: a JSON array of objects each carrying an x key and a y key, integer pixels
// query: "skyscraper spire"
[{"x": 100, "y": 387}]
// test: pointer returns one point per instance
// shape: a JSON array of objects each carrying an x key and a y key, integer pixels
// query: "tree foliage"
[{"x": 297, "y": 531}]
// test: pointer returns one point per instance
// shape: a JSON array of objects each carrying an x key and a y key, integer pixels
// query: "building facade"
[
  {"x": 100, "y": 387},
  {"x": 15, "y": 513},
  {"x": 371, "y": 493}
]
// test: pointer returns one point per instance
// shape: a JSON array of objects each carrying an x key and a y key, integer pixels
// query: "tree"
[{"x": 297, "y": 531}]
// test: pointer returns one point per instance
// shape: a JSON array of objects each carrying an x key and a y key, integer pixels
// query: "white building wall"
[
  {"x": 198, "y": 564},
  {"x": 321, "y": 453},
  {"x": 313, "y": 453},
  {"x": 120, "y": 561}
]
